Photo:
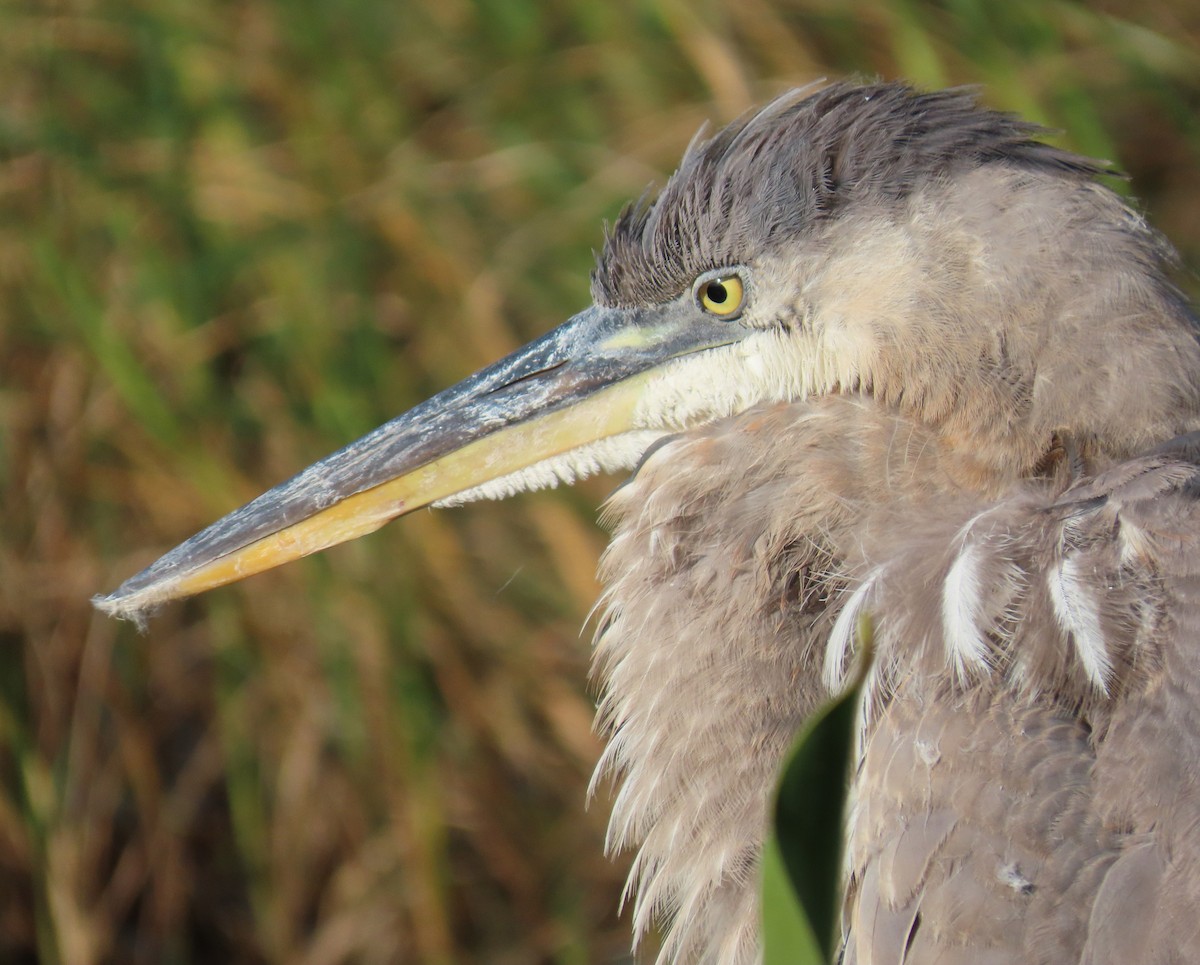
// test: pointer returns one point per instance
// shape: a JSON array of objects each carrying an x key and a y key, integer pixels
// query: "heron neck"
[{"x": 727, "y": 553}]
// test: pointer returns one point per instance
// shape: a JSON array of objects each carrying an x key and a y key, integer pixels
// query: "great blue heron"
[{"x": 870, "y": 350}]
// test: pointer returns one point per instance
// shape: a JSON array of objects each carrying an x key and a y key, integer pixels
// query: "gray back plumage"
[{"x": 1028, "y": 784}]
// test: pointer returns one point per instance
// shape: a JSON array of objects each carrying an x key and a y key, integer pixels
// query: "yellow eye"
[{"x": 722, "y": 295}]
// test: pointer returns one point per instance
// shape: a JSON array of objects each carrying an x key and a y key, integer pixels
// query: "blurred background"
[{"x": 236, "y": 234}]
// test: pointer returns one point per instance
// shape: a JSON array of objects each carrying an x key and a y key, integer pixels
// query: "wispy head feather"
[{"x": 774, "y": 175}]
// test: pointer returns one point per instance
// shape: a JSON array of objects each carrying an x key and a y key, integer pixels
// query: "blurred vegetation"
[{"x": 235, "y": 234}]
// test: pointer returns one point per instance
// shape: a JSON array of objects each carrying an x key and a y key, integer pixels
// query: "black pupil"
[{"x": 717, "y": 292}]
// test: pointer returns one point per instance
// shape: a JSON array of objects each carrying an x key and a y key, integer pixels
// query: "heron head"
[
  {"x": 924, "y": 251},
  {"x": 912, "y": 247}
]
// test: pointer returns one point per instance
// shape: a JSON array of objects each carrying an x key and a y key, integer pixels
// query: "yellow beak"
[{"x": 571, "y": 389}]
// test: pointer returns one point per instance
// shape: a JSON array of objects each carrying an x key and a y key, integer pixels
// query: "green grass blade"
[{"x": 802, "y": 863}]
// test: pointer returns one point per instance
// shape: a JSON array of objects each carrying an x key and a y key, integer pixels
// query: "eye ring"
[{"x": 721, "y": 293}]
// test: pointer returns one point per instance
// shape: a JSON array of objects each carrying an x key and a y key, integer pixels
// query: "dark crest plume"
[{"x": 772, "y": 176}]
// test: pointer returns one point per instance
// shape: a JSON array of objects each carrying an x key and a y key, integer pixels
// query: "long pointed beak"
[{"x": 574, "y": 387}]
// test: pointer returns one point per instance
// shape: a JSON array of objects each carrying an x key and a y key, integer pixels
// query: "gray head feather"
[{"x": 771, "y": 177}]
